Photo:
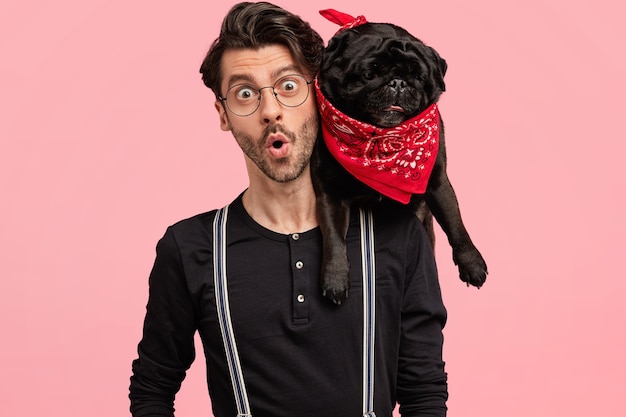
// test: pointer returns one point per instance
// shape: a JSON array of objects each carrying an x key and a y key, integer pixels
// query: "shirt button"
[
  {"x": 300, "y": 298},
  {"x": 295, "y": 236},
  {"x": 299, "y": 264}
]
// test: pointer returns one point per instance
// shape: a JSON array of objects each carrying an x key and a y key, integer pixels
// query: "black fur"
[{"x": 365, "y": 70}]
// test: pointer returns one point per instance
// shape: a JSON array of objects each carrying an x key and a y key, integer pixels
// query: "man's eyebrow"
[
  {"x": 286, "y": 69},
  {"x": 245, "y": 78},
  {"x": 235, "y": 78}
]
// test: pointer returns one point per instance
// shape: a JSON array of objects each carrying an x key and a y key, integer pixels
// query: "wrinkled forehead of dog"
[
  {"x": 377, "y": 41},
  {"x": 372, "y": 34}
]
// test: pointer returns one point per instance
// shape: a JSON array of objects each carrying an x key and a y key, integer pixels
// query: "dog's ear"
[
  {"x": 335, "y": 66},
  {"x": 334, "y": 53},
  {"x": 442, "y": 67}
]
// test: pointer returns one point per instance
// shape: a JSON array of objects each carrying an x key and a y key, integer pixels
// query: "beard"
[{"x": 284, "y": 169}]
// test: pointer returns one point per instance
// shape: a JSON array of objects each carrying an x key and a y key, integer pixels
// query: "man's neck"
[{"x": 282, "y": 207}]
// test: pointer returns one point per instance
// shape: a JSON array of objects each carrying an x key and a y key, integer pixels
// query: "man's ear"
[{"x": 221, "y": 110}]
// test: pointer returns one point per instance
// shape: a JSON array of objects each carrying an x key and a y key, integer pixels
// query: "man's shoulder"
[
  {"x": 193, "y": 222},
  {"x": 189, "y": 233},
  {"x": 196, "y": 229},
  {"x": 197, "y": 223}
]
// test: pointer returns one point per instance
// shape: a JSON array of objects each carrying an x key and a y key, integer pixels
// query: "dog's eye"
[
  {"x": 370, "y": 75},
  {"x": 414, "y": 70},
  {"x": 372, "y": 72}
]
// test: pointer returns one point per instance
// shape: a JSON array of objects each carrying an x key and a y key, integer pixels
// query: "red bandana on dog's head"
[
  {"x": 345, "y": 20},
  {"x": 395, "y": 161}
]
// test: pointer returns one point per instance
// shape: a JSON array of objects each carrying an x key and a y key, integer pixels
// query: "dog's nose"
[{"x": 397, "y": 84}]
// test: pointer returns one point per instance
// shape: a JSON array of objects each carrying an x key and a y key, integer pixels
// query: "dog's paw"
[
  {"x": 472, "y": 267},
  {"x": 335, "y": 284},
  {"x": 336, "y": 294}
]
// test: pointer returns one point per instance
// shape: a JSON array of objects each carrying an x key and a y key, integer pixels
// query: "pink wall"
[{"x": 108, "y": 136}]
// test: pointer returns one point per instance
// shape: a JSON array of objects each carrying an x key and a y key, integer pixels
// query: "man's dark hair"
[{"x": 254, "y": 25}]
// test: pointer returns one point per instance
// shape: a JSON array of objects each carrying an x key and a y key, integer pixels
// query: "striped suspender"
[
  {"x": 369, "y": 309},
  {"x": 223, "y": 311}
]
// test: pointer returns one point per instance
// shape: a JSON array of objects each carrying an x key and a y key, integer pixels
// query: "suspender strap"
[
  {"x": 228, "y": 336},
  {"x": 368, "y": 267},
  {"x": 223, "y": 313}
]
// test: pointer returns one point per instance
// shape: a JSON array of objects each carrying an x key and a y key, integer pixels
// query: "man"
[{"x": 298, "y": 354}]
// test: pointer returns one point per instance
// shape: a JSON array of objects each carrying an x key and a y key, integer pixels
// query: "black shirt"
[{"x": 301, "y": 355}]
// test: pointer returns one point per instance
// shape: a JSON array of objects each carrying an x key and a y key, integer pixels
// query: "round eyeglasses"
[{"x": 244, "y": 99}]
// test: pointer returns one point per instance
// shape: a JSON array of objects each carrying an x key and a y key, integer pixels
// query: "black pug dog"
[{"x": 380, "y": 74}]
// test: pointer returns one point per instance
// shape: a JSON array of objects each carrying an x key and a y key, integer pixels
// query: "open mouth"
[{"x": 277, "y": 146}]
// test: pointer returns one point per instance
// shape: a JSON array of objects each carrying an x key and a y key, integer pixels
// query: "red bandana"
[
  {"x": 396, "y": 161},
  {"x": 345, "y": 20}
]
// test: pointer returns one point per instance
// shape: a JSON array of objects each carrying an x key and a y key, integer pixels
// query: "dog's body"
[{"x": 380, "y": 74}]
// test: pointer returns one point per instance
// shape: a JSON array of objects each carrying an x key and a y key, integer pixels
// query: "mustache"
[{"x": 276, "y": 128}]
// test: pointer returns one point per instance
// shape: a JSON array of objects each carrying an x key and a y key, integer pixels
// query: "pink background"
[{"x": 108, "y": 136}]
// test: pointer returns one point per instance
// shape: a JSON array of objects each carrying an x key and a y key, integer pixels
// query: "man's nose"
[{"x": 269, "y": 107}]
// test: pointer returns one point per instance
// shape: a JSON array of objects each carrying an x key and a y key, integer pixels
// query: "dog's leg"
[
  {"x": 424, "y": 214},
  {"x": 443, "y": 203},
  {"x": 334, "y": 217}
]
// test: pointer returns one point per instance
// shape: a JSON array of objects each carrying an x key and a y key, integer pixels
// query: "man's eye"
[
  {"x": 289, "y": 87},
  {"x": 245, "y": 93}
]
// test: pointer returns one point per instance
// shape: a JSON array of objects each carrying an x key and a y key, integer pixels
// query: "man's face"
[{"x": 277, "y": 140}]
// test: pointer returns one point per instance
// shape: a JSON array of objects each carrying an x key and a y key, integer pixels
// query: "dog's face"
[{"x": 380, "y": 74}]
